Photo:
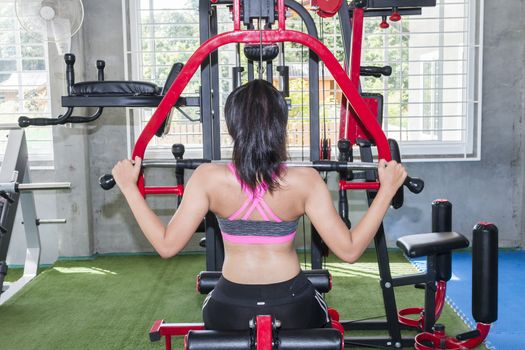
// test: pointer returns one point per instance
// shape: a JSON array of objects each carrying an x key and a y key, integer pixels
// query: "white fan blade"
[{"x": 61, "y": 28}]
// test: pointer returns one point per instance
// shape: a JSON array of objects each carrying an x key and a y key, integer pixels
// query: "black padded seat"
[
  {"x": 424, "y": 244},
  {"x": 120, "y": 88}
]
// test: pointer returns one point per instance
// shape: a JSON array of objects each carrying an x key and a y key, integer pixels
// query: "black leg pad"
[
  {"x": 218, "y": 340},
  {"x": 304, "y": 339}
]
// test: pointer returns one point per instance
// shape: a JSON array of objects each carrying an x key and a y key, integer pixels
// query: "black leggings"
[{"x": 296, "y": 303}]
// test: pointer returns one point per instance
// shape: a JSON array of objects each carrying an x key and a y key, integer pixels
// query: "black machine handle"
[
  {"x": 414, "y": 184},
  {"x": 106, "y": 181},
  {"x": 377, "y": 72},
  {"x": 67, "y": 117},
  {"x": 177, "y": 149},
  {"x": 24, "y": 121}
]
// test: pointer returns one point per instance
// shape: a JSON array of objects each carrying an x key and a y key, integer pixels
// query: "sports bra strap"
[{"x": 255, "y": 198}]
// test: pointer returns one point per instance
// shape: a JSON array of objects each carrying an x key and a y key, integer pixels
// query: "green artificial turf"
[
  {"x": 13, "y": 274},
  {"x": 111, "y": 302}
]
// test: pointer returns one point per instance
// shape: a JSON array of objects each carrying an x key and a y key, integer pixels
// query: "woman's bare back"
[{"x": 259, "y": 263}]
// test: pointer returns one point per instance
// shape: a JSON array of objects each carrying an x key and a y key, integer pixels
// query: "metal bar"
[
  {"x": 319, "y": 165},
  {"x": 215, "y": 90},
  {"x": 368, "y": 325},
  {"x": 32, "y": 234},
  {"x": 177, "y": 190},
  {"x": 407, "y": 280},
  {"x": 313, "y": 74},
  {"x": 205, "y": 88},
  {"x": 380, "y": 342},
  {"x": 383, "y": 261},
  {"x": 281, "y": 12},
  {"x": 9, "y": 126},
  {"x": 357, "y": 43},
  {"x": 37, "y": 186},
  {"x": 51, "y": 221}
]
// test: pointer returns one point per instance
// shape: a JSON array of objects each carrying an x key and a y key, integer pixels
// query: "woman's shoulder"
[
  {"x": 302, "y": 174},
  {"x": 210, "y": 170}
]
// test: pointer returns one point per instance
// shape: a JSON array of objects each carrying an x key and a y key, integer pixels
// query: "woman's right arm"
[{"x": 348, "y": 245}]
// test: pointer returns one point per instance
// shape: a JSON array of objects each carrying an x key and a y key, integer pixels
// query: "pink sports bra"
[{"x": 244, "y": 231}]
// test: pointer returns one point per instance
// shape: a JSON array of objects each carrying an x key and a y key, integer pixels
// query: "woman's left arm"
[{"x": 167, "y": 241}]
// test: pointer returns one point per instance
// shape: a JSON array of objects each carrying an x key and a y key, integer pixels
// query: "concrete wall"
[{"x": 489, "y": 190}]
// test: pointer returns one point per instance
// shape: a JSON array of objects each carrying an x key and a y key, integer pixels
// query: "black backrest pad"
[{"x": 174, "y": 72}]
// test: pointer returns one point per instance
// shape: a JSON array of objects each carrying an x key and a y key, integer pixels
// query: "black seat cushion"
[
  {"x": 424, "y": 244},
  {"x": 121, "y": 88}
]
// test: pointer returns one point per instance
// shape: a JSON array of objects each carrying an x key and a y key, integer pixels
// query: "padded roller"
[
  {"x": 320, "y": 279},
  {"x": 304, "y": 339},
  {"x": 269, "y": 52},
  {"x": 441, "y": 215},
  {"x": 218, "y": 340},
  {"x": 442, "y": 222},
  {"x": 485, "y": 273}
]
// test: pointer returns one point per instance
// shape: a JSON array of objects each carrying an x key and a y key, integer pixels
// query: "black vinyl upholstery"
[
  {"x": 303, "y": 339},
  {"x": 424, "y": 244},
  {"x": 120, "y": 88}
]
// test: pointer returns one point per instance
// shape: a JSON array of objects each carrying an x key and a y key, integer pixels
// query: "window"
[
  {"x": 24, "y": 83},
  {"x": 431, "y": 100}
]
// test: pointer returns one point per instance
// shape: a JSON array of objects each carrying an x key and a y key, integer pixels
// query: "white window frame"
[{"x": 41, "y": 160}]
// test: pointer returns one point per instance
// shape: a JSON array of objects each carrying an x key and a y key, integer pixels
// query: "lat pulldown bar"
[{"x": 415, "y": 185}]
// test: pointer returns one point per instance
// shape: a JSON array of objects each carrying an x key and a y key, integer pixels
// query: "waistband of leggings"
[{"x": 279, "y": 290}]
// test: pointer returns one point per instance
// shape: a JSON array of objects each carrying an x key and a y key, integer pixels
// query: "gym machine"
[
  {"x": 15, "y": 187},
  {"x": 360, "y": 125}
]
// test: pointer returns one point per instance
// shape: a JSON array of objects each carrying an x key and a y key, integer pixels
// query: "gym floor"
[{"x": 110, "y": 302}]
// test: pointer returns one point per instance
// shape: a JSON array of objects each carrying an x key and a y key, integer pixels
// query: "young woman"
[{"x": 258, "y": 202}]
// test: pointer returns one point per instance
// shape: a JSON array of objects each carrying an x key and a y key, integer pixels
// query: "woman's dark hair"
[{"x": 256, "y": 117}]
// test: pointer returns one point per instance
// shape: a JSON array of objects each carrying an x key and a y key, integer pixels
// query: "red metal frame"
[
  {"x": 367, "y": 118},
  {"x": 441, "y": 292},
  {"x": 177, "y": 190},
  {"x": 167, "y": 330},
  {"x": 440, "y": 341},
  {"x": 264, "y": 334}
]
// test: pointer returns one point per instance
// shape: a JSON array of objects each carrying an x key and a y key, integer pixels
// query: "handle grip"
[
  {"x": 107, "y": 182},
  {"x": 414, "y": 184},
  {"x": 371, "y": 71},
  {"x": 26, "y": 121}
]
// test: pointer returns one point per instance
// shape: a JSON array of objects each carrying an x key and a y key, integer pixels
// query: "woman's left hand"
[{"x": 126, "y": 173}]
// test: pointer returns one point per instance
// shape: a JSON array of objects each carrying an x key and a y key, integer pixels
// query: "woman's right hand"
[
  {"x": 391, "y": 176},
  {"x": 126, "y": 173}
]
